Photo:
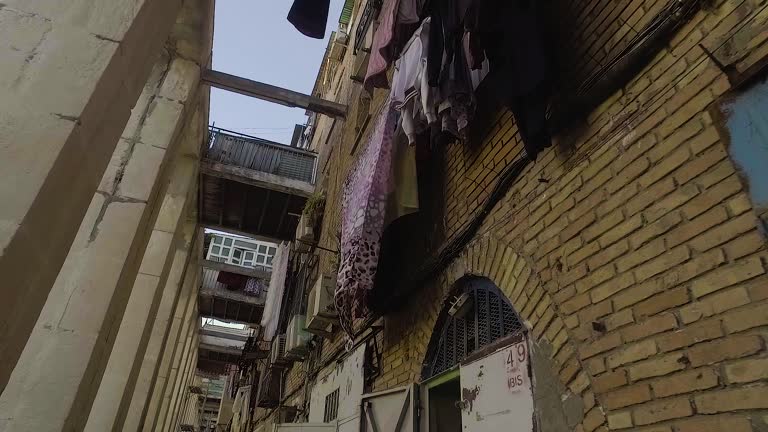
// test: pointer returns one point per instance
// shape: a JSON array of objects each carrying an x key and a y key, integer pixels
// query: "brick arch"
[
  {"x": 514, "y": 274},
  {"x": 465, "y": 284},
  {"x": 409, "y": 330}
]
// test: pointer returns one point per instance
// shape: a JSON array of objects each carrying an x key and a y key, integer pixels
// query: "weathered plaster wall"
[{"x": 71, "y": 73}]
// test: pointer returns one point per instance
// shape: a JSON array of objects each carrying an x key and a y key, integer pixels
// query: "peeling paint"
[{"x": 468, "y": 396}]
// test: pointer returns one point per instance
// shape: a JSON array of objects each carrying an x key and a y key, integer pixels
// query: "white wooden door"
[
  {"x": 496, "y": 390},
  {"x": 390, "y": 410}
]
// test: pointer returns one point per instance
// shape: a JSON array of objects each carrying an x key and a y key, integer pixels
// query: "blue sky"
[{"x": 253, "y": 39}]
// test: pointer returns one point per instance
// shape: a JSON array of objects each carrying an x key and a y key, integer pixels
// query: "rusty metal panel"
[
  {"x": 746, "y": 120},
  {"x": 393, "y": 410},
  {"x": 496, "y": 391}
]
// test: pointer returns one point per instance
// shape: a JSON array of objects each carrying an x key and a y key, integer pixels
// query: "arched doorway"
[{"x": 476, "y": 374}]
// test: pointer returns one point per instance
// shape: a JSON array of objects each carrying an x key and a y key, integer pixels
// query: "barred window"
[{"x": 331, "y": 406}]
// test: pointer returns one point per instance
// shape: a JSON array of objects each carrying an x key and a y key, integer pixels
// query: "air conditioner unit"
[
  {"x": 338, "y": 47},
  {"x": 321, "y": 310},
  {"x": 277, "y": 353},
  {"x": 297, "y": 338},
  {"x": 305, "y": 231}
]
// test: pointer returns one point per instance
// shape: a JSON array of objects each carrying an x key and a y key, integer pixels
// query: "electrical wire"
[{"x": 594, "y": 90}]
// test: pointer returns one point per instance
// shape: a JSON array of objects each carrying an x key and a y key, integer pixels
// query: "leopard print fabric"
[{"x": 364, "y": 205}]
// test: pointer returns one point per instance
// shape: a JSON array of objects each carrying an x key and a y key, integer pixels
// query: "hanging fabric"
[
  {"x": 364, "y": 203},
  {"x": 310, "y": 17},
  {"x": 382, "y": 49},
  {"x": 275, "y": 292},
  {"x": 254, "y": 287},
  {"x": 510, "y": 34},
  {"x": 233, "y": 281}
]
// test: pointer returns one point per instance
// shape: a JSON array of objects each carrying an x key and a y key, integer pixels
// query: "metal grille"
[
  {"x": 371, "y": 11},
  {"x": 331, "y": 406},
  {"x": 491, "y": 318}
]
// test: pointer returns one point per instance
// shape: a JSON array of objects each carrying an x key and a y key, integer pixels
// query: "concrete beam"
[
  {"x": 208, "y": 332},
  {"x": 257, "y": 178},
  {"x": 273, "y": 94},
  {"x": 229, "y": 268},
  {"x": 235, "y": 296},
  {"x": 221, "y": 349}
]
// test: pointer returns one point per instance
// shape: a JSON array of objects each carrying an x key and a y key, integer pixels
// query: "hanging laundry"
[
  {"x": 382, "y": 49},
  {"x": 271, "y": 314},
  {"x": 254, "y": 287},
  {"x": 409, "y": 11},
  {"x": 509, "y": 33},
  {"x": 411, "y": 94},
  {"x": 233, "y": 281},
  {"x": 310, "y": 17},
  {"x": 445, "y": 35},
  {"x": 364, "y": 203}
]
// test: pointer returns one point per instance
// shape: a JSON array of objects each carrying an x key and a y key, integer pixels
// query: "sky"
[{"x": 253, "y": 39}]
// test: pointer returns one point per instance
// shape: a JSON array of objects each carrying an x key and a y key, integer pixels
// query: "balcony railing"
[
  {"x": 369, "y": 15},
  {"x": 231, "y": 148},
  {"x": 210, "y": 284}
]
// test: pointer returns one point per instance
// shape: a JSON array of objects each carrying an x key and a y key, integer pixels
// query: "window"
[
  {"x": 331, "y": 406},
  {"x": 249, "y": 258},
  {"x": 243, "y": 253},
  {"x": 485, "y": 317}
]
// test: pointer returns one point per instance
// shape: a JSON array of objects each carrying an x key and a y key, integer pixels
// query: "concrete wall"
[
  {"x": 631, "y": 246},
  {"x": 72, "y": 72},
  {"x": 125, "y": 246}
]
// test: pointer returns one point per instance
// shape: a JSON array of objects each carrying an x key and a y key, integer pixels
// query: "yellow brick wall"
[
  {"x": 640, "y": 223},
  {"x": 636, "y": 221}
]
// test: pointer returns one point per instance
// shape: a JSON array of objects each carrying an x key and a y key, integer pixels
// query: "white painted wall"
[{"x": 348, "y": 378}]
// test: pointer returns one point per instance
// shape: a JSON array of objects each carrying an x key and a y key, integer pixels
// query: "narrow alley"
[{"x": 384, "y": 215}]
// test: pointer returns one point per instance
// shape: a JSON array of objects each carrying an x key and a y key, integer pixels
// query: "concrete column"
[
  {"x": 165, "y": 328},
  {"x": 55, "y": 381},
  {"x": 182, "y": 383},
  {"x": 177, "y": 368},
  {"x": 71, "y": 71},
  {"x": 169, "y": 362},
  {"x": 183, "y": 389},
  {"x": 133, "y": 335}
]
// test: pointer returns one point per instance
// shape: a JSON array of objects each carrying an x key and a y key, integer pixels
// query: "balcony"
[
  {"x": 220, "y": 347},
  {"x": 220, "y": 301},
  {"x": 254, "y": 187}
]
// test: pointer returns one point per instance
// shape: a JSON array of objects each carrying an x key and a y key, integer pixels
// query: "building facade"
[
  {"x": 616, "y": 283},
  {"x": 578, "y": 244}
]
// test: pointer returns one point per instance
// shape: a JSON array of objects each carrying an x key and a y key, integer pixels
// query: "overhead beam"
[
  {"x": 220, "y": 349},
  {"x": 229, "y": 268},
  {"x": 257, "y": 178},
  {"x": 220, "y": 334},
  {"x": 272, "y": 93},
  {"x": 223, "y": 294}
]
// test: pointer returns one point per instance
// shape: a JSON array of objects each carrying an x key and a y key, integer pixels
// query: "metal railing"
[
  {"x": 368, "y": 16},
  {"x": 232, "y": 148},
  {"x": 210, "y": 283}
]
